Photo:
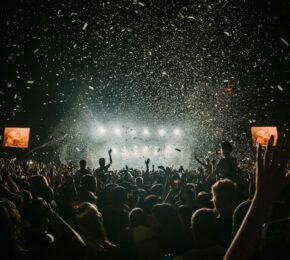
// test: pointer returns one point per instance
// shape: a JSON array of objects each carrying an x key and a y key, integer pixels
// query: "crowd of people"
[{"x": 217, "y": 211}]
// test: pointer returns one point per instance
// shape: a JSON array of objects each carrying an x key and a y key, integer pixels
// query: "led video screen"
[
  {"x": 262, "y": 134},
  {"x": 16, "y": 137}
]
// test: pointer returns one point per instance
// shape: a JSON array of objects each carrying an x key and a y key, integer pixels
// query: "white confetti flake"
[
  {"x": 280, "y": 88},
  {"x": 85, "y": 26},
  {"x": 30, "y": 81},
  {"x": 283, "y": 40},
  {"x": 227, "y": 34},
  {"x": 91, "y": 88}
]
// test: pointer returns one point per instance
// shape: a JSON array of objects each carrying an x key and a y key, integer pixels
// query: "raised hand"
[
  {"x": 272, "y": 177},
  {"x": 110, "y": 151},
  {"x": 271, "y": 171},
  {"x": 147, "y": 161}
]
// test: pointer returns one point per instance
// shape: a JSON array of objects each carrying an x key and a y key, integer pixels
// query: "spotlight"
[
  {"x": 162, "y": 132},
  {"x": 101, "y": 130},
  {"x": 176, "y": 132},
  {"x": 118, "y": 131},
  {"x": 146, "y": 131}
]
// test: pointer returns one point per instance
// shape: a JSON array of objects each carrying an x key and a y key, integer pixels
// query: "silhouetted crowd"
[{"x": 221, "y": 210}]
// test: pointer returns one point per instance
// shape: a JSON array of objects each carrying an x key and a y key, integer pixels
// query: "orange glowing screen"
[
  {"x": 16, "y": 137},
  {"x": 262, "y": 134}
]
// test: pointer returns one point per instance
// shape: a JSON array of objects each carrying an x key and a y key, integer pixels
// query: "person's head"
[
  {"x": 119, "y": 196},
  {"x": 83, "y": 164},
  {"x": 88, "y": 183},
  {"x": 165, "y": 221},
  {"x": 139, "y": 181},
  {"x": 39, "y": 188},
  {"x": 157, "y": 190},
  {"x": 187, "y": 196},
  {"x": 227, "y": 148},
  {"x": 164, "y": 216},
  {"x": 203, "y": 225},
  {"x": 90, "y": 221},
  {"x": 37, "y": 213},
  {"x": 203, "y": 200},
  {"x": 224, "y": 195},
  {"x": 148, "y": 203},
  {"x": 102, "y": 162},
  {"x": 137, "y": 217},
  {"x": 9, "y": 223}
]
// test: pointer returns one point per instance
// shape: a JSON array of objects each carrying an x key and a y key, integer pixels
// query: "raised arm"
[
  {"x": 271, "y": 179},
  {"x": 147, "y": 165},
  {"x": 110, "y": 156},
  {"x": 199, "y": 161}
]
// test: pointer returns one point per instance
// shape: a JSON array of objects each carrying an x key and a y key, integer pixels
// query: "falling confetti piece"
[
  {"x": 91, "y": 88},
  {"x": 85, "y": 26},
  {"x": 280, "y": 88},
  {"x": 283, "y": 40},
  {"x": 30, "y": 81},
  {"x": 227, "y": 34}
]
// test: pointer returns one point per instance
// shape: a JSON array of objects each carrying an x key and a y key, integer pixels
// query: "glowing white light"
[
  {"x": 118, "y": 131},
  {"x": 168, "y": 150},
  {"x": 101, "y": 130},
  {"x": 162, "y": 132},
  {"x": 145, "y": 149},
  {"x": 135, "y": 151},
  {"x": 146, "y": 131},
  {"x": 115, "y": 151},
  {"x": 176, "y": 132}
]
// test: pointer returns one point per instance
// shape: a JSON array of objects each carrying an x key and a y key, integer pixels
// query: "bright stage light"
[
  {"x": 176, "y": 132},
  {"x": 146, "y": 132},
  {"x": 162, "y": 132},
  {"x": 101, "y": 130},
  {"x": 118, "y": 131}
]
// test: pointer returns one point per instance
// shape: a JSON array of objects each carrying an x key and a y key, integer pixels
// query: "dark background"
[{"x": 213, "y": 66}]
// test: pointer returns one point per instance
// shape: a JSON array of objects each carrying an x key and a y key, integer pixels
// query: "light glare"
[{"x": 162, "y": 132}]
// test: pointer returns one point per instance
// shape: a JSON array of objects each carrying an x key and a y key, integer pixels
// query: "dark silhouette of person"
[
  {"x": 227, "y": 166},
  {"x": 100, "y": 173}
]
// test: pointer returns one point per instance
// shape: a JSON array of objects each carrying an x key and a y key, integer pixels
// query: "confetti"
[
  {"x": 85, "y": 26},
  {"x": 280, "y": 88},
  {"x": 283, "y": 40}
]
